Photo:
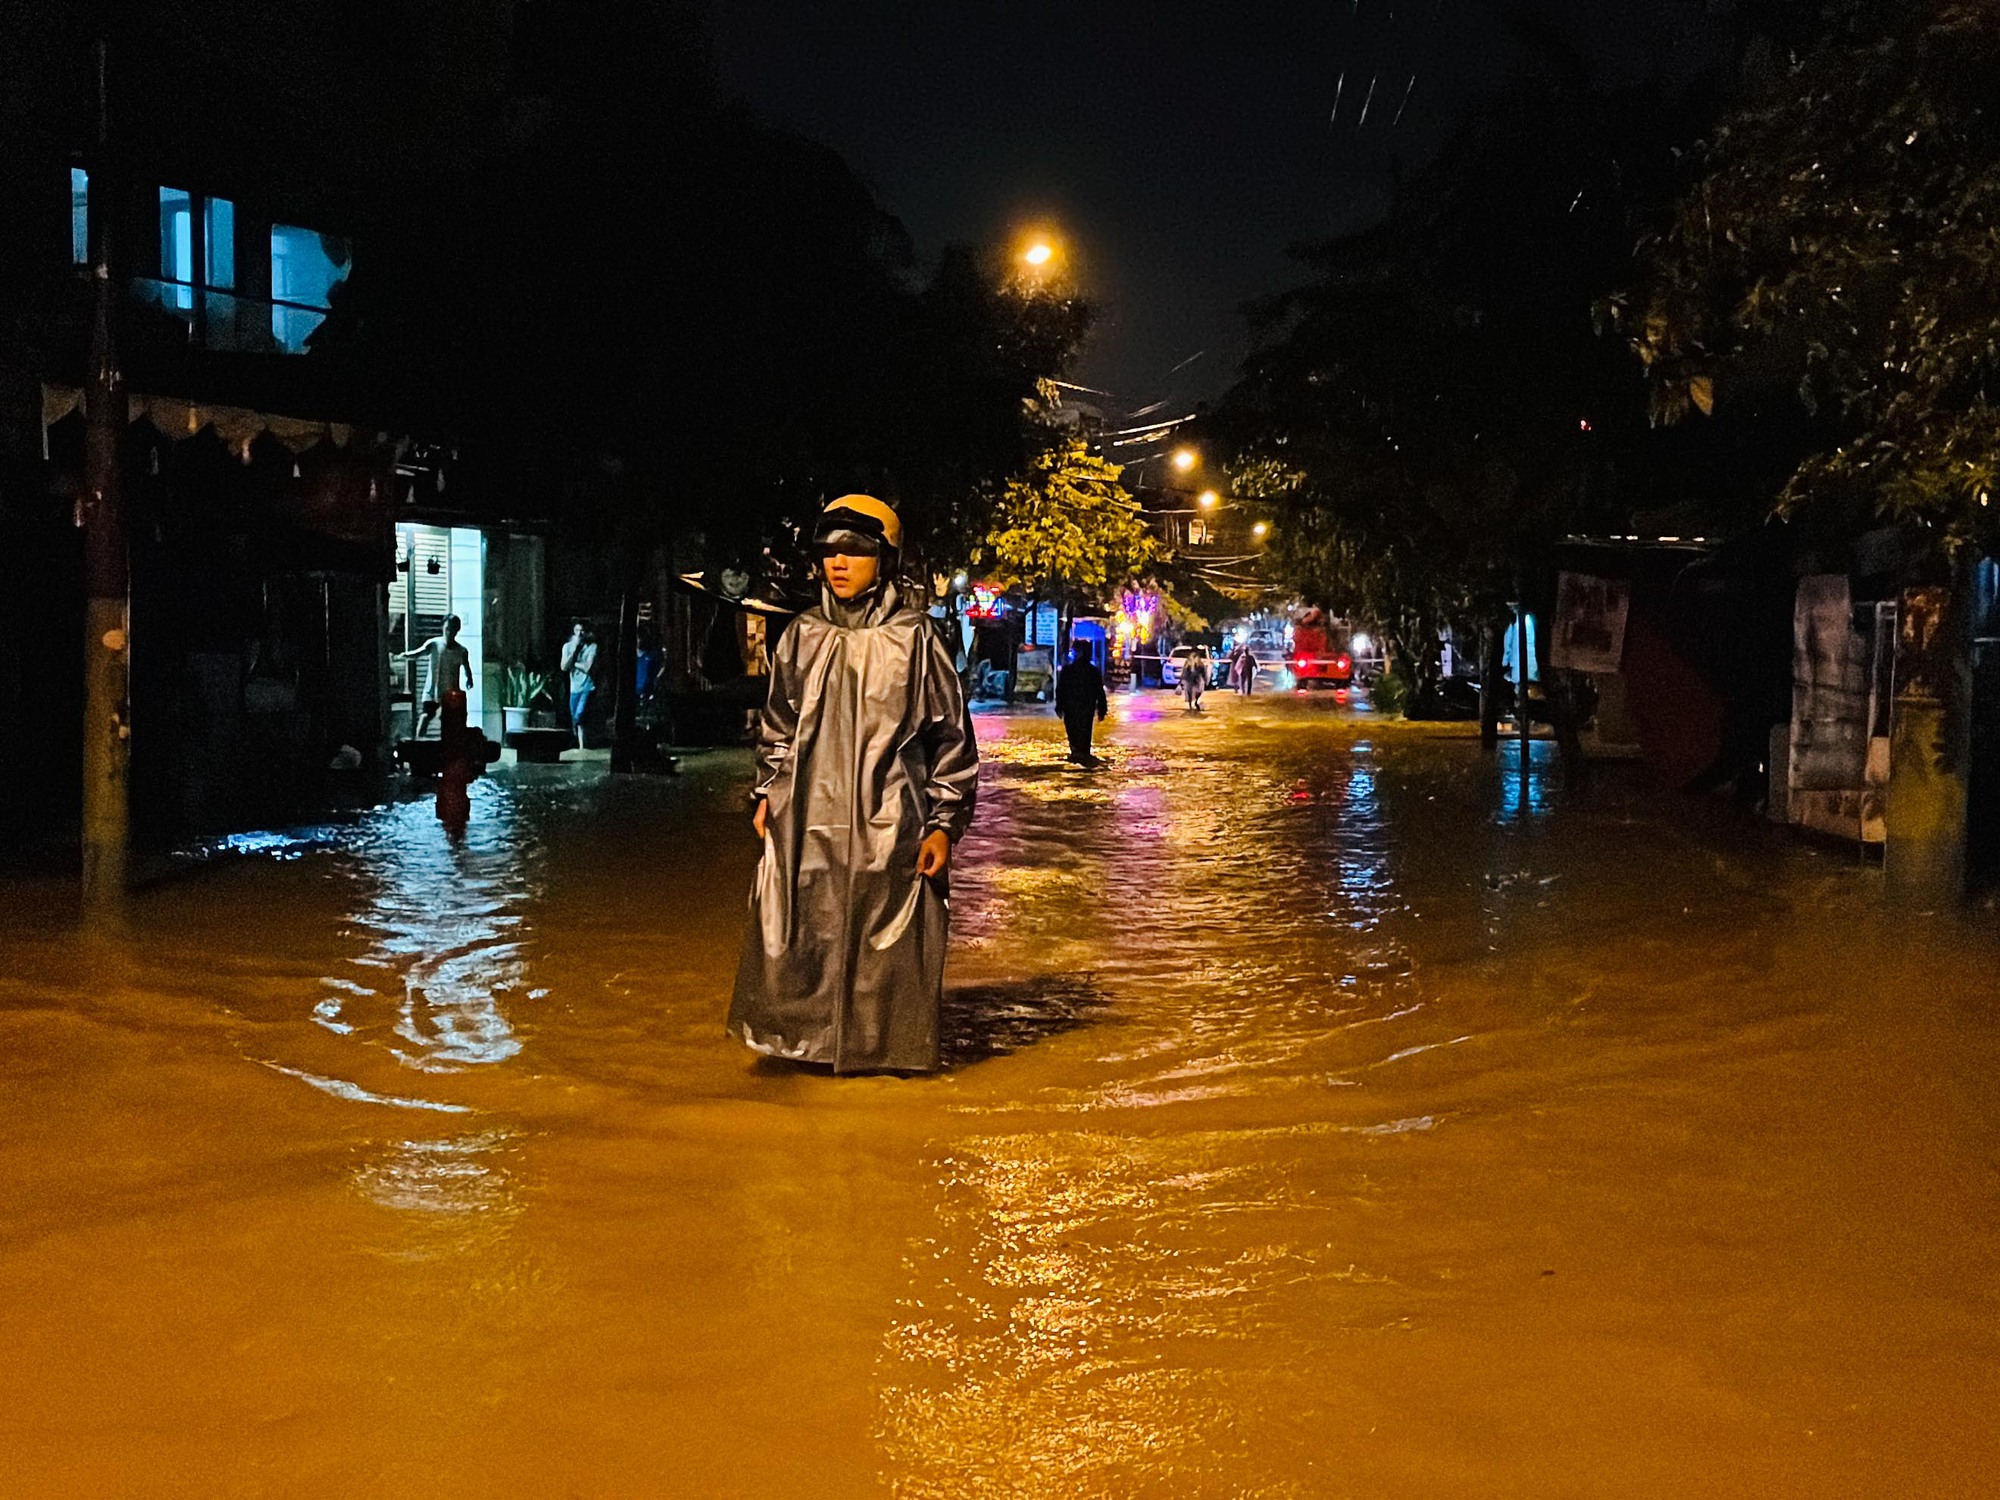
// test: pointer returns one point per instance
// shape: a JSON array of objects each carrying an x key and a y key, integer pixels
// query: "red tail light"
[{"x": 1343, "y": 663}]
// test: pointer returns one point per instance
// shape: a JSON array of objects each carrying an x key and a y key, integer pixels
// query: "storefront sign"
[{"x": 1590, "y": 623}]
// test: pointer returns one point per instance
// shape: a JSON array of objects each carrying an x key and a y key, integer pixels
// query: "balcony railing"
[{"x": 228, "y": 323}]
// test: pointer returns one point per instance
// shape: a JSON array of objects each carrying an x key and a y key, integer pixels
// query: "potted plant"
[{"x": 524, "y": 687}]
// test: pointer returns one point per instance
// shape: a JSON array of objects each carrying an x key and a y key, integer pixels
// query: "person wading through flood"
[
  {"x": 1081, "y": 702},
  {"x": 1243, "y": 666},
  {"x": 1194, "y": 678},
  {"x": 868, "y": 773}
]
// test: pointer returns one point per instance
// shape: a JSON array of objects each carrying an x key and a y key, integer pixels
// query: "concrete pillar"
[{"x": 1923, "y": 861}]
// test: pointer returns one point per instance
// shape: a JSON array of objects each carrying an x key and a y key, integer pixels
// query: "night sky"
[{"x": 1181, "y": 147}]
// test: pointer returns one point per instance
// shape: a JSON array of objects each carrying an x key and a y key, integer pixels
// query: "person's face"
[
  {"x": 850, "y": 574},
  {"x": 451, "y": 630}
]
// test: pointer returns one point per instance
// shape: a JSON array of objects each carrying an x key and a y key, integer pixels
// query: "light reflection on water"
[
  {"x": 1021, "y": 1351},
  {"x": 447, "y": 924},
  {"x": 1361, "y": 858},
  {"x": 1315, "y": 1125},
  {"x": 456, "y": 1186},
  {"x": 1526, "y": 787}
]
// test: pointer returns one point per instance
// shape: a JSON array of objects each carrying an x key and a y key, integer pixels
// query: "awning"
[
  {"x": 174, "y": 418},
  {"x": 693, "y": 584},
  {"x": 320, "y": 503}
]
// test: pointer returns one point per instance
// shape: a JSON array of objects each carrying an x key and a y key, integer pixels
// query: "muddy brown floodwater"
[{"x": 1334, "y": 1113}]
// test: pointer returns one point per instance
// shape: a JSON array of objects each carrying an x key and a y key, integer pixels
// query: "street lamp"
[
  {"x": 1185, "y": 459},
  {"x": 1260, "y": 529},
  {"x": 1207, "y": 499},
  {"x": 1039, "y": 252}
]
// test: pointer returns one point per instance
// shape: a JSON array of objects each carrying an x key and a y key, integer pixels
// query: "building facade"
[{"x": 275, "y": 498}]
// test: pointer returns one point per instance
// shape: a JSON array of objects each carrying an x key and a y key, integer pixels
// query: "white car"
[{"x": 1170, "y": 669}]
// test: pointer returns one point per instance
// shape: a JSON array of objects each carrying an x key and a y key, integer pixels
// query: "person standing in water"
[
  {"x": 448, "y": 669},
  {"x": 1081, "y": 702},
  {"x": 1243, "y": 663},
  {"x": 579, "y": 660},
  {"x": 1194, "y": 678},
  {"x": 867, "y": 777}
]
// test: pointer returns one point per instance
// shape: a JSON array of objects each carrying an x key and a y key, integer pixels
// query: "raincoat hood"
[{"x": 879, "y": 603}]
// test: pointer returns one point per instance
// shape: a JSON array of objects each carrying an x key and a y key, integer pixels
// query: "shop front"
[
  {"x": 493, "y": 581},
  {"x": 259, "y": 546}
]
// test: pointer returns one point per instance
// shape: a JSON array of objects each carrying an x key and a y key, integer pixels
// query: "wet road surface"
[{"x": 1333, "y": 1113}]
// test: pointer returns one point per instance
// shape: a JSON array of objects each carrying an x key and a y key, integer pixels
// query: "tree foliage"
[
  {"x": 664, "y": 317},
  {"x": 973, "y": 369},
  {"x": 1069, "y": 529},
  {"x": 1840, "y": 249},
  {"x": 1433, "y": 408}
]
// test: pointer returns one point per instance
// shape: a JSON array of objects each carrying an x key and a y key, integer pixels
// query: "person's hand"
[
  {"x": 935, "y": 854},
  {"x": 757, "y": 819}
]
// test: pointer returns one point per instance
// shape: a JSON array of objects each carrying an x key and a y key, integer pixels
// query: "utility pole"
[
  {"x": 625, "y": 677},
  {"x": 106, "y": 620},
  {"x": 1522, "y": 724},
  {"x": 1490, "y": 657}
]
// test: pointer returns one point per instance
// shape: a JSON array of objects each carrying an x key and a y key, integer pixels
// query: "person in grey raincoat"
[{"x": 867, "y": 776}]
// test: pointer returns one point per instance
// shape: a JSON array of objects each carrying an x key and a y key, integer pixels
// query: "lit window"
[
  {"x": 305, "y": 268},
  {"x": 218, "y": 236},
  {"x": 177, "y": 244},
  {"x": 218, "y": 230},
  {"x": 79, "y": 216}
]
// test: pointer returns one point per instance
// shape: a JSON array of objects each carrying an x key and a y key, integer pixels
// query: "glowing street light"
[
  {"x": 1260, "y": 529},
  {"x": 1185, "y": 459},
  {"x": 1207, "y": 499},
  {"x": 1040, "y": 261}
]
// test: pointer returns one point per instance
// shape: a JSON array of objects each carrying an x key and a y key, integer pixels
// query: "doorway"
[{"x": 440, "y": 571}]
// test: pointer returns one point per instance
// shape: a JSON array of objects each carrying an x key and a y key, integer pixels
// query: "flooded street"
[{"x": 1334, "y": 1113}]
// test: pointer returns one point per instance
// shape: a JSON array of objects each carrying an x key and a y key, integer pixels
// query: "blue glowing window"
[
  {"x": 219, "y": 241},
  {"x": 79, "y": 216},
  {"x": 177, "y": 243},
  {"x": 305, "y": 268},
  {"x": 178, "y": 210}
]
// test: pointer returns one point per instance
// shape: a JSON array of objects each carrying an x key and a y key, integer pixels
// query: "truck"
[{"x": 1315, "y": 657}]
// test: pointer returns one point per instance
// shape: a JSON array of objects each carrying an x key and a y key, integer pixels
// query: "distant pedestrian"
[
  {"x": 579, "y": 659},
  {"x": 1194, "y": 678},
  {"x": 1081, "y": 702},
  {"x": 1243, "y": 668},
  {"x": 448, "y": 669},
  {"x": 867, "y": 776},
  {"x": 646, "y": 666}
]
